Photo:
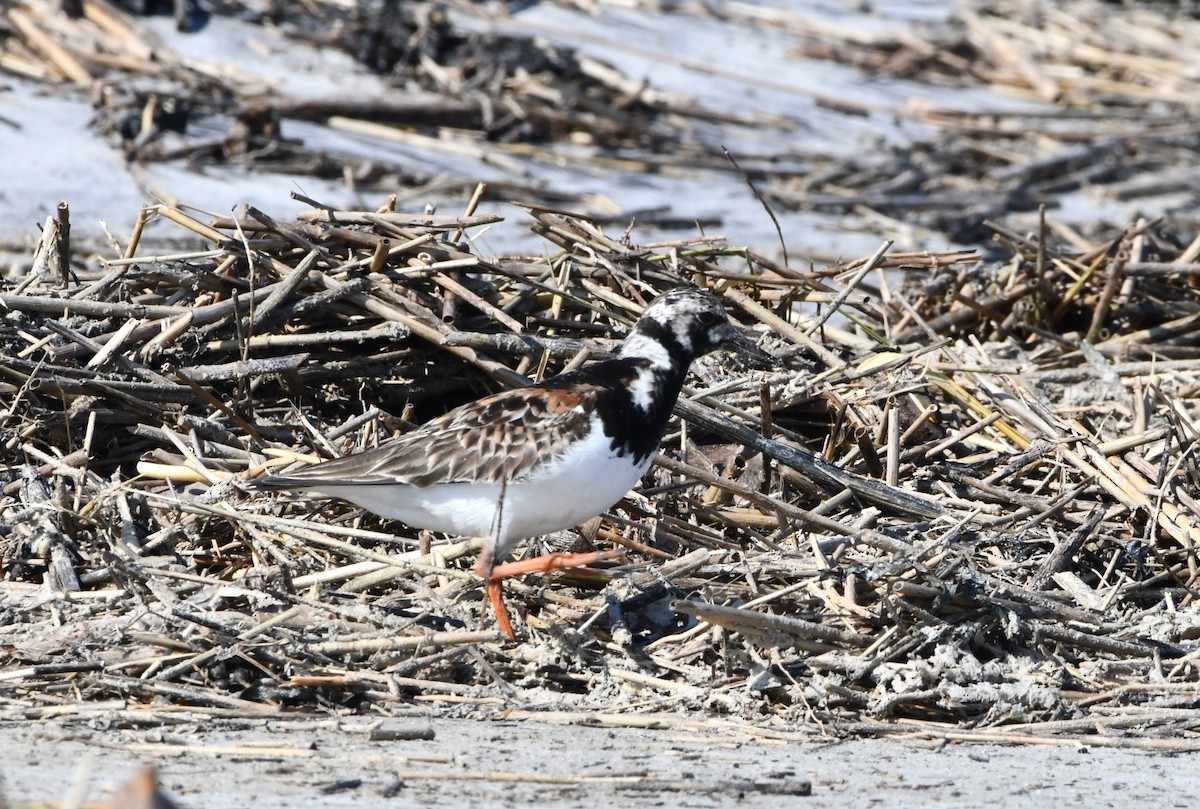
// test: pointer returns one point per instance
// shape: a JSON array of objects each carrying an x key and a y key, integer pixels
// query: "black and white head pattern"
[{"x": 679, "y": 326}]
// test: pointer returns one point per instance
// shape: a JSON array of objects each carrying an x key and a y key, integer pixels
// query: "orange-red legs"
[{"x": 538, "y": 564}]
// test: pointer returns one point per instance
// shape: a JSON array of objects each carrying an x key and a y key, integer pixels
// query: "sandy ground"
[{"x": 332, "y": 763}]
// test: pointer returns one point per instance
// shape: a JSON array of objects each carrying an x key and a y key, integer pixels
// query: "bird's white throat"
[{"x": 641, "y": 346}]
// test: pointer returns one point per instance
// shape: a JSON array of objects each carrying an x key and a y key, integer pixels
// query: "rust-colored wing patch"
[{"x": 502, "y": 438}]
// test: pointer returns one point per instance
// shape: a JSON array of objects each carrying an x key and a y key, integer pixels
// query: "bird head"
[{"x": 683, "y": 324}]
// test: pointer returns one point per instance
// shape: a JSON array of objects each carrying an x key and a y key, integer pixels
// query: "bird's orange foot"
[
  {"x": 554, "y": 561},
  {"x": 538, "y": 564}
]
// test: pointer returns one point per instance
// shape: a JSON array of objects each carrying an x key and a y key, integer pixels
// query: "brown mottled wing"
[{"x": 501, "y": 438}]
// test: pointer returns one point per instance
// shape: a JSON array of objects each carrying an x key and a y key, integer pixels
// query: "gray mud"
[{"x": 335, "y": 763}]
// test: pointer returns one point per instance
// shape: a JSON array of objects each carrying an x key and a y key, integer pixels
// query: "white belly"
[{"x": 584, "y": 483}]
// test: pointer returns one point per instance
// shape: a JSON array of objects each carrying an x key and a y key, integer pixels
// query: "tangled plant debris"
[
  {"x": 963, "y": 507},
  {"x": 477, "y": 95},
  {"x": 1106, "y": 98},
  {"x": 1090, "y": 109}
]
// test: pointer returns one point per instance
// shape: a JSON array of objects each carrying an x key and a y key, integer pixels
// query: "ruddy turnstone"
[{"x": 538, "y": 459}]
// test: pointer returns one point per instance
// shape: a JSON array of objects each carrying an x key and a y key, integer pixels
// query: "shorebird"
[{"x": 536, "y": 459}]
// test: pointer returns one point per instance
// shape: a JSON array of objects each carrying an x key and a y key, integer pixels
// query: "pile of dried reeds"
[
  {"x": 1088, "y": 99},
  {"x": 1103, "y": 105},
  {"x": 479, "y": 97},
  {"x": 963, "y": 506}
]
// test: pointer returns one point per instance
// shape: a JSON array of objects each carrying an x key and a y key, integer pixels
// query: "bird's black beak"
[{"x": 736, "y": 341}]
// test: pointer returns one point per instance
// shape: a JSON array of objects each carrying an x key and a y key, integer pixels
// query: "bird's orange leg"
[
  {"x": 542, "y": 564},
  {"x": 493, "y": 589}
]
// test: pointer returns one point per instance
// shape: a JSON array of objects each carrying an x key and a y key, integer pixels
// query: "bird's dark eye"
[{"x": 707, "y": 318}]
